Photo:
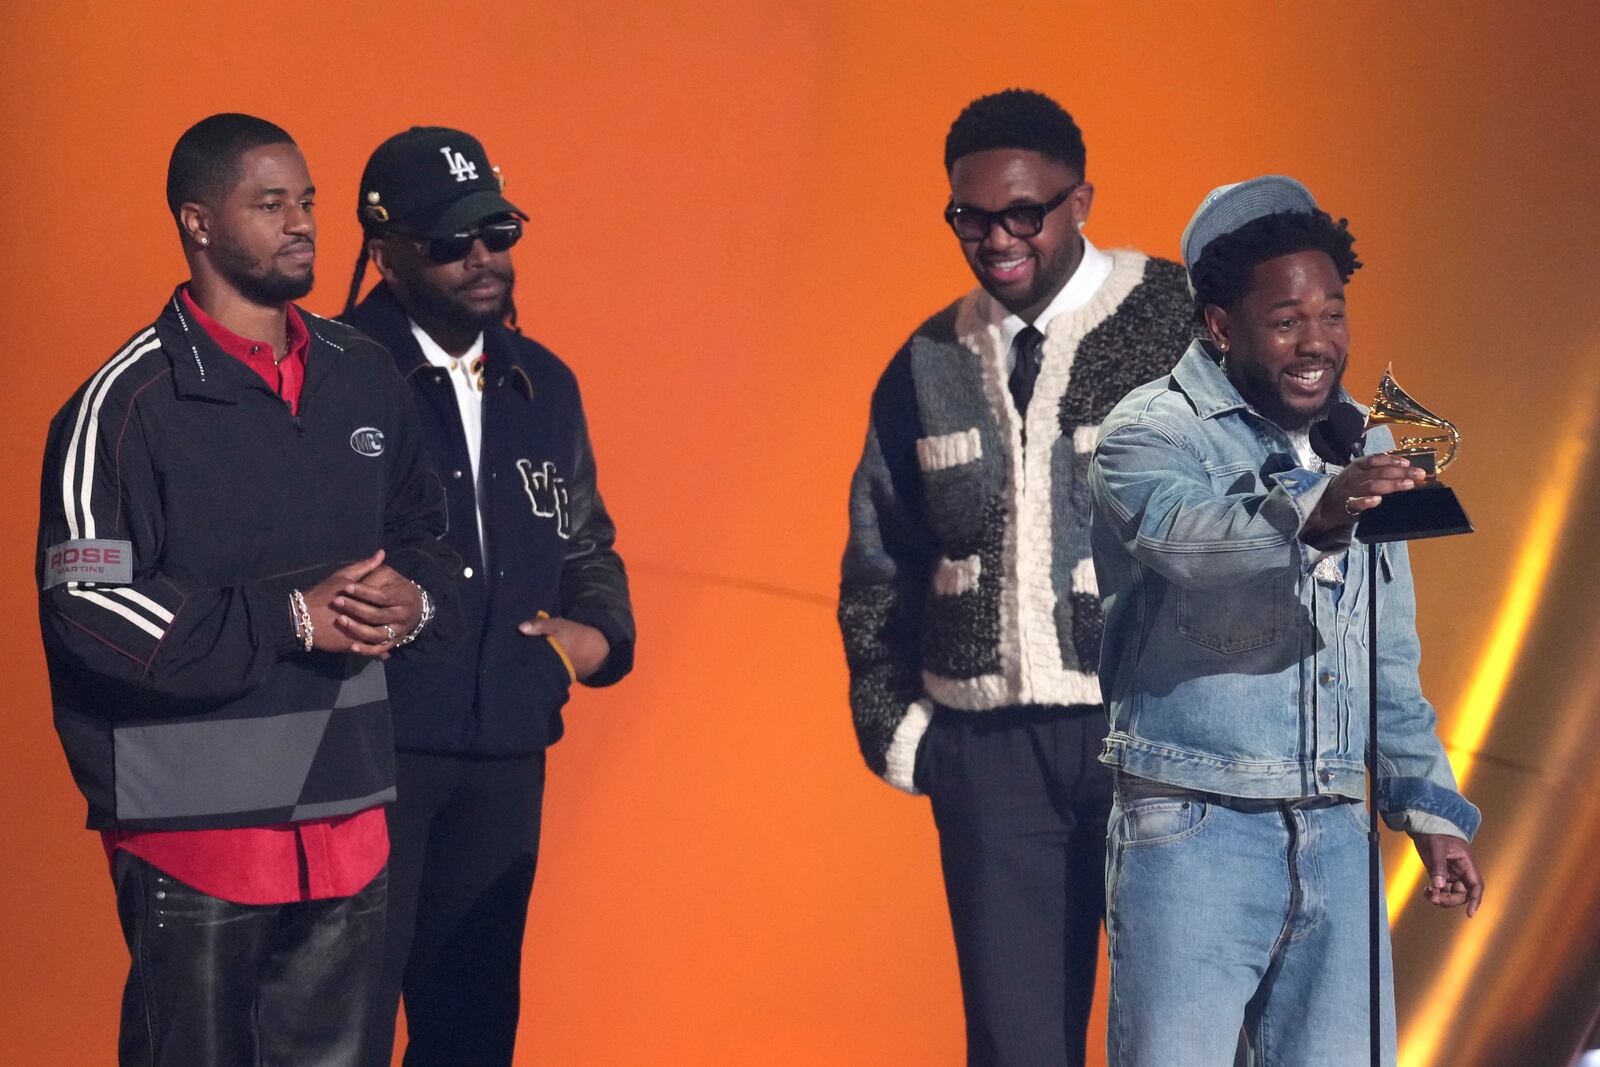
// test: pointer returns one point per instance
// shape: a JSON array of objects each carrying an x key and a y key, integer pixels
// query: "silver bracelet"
[
  {"x": 302, "y": 619},
  {"x": 422, "y": 620}
]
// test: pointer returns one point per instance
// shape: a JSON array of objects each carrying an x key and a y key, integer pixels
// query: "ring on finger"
[{"x": 1348, "y": 510}]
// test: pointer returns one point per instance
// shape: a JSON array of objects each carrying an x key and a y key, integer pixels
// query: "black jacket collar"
[
  {"x": 382, "y": 318},
  {"x": 200, "y": 368}
]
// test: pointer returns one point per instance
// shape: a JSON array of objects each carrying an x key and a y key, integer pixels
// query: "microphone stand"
[
  {"x": 1374, "y": 857},
  {"x": 1430, "y": 510}
]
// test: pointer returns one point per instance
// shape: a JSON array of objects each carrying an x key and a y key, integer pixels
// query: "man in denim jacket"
[{"x": 1235, "y": 668}]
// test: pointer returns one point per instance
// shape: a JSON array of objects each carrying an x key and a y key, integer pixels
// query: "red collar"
[{"x": 245, "y": 348}]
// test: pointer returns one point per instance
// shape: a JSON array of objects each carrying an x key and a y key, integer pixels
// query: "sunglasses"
[
  {"x": 1019, "y": 220},
  {"x": 496, "y": 237}
]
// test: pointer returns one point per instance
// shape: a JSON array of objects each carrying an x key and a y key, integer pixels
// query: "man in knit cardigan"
[{"x": 968, "y": 602}]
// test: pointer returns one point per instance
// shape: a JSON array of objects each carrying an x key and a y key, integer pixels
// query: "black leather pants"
[{"x": 217, "y": 984}]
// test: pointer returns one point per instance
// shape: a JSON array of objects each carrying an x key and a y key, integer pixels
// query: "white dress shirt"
[
  {"x": 1093, "y": 270},
  {"x": 469, "y": 401}
]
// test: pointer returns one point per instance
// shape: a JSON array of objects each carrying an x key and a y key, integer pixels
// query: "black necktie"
[{"x": 1028, "y": 349}]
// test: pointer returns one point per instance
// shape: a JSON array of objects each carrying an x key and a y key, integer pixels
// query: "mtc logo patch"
[
  {"x": 367, "y": 440},
  {"x": 105, "y": 562},
  {"x": 547, "y": 492},
  {"x": 460, "y": 168}
]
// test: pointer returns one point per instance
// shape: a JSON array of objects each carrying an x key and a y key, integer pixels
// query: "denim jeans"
[{"x": 1225, "y": 914}]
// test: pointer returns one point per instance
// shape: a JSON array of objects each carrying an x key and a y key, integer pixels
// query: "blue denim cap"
[{"x": 1228, "y": 207}]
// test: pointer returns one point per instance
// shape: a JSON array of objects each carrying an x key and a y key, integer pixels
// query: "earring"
[
  {"x": 1081, "y": 224},
  {"x": 1223, "y": 346},
  {"x": 205, "y": 240}
]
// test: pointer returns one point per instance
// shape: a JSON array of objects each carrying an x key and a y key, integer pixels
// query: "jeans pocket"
[{"x": 1163, "y": 820}]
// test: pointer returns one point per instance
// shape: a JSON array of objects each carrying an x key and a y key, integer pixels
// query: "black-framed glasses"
[
  {"x": 496, "y": 237},
  {"x": 1019, "y": 220}
]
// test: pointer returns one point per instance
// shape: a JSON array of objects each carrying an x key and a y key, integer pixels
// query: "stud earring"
[
  {"x": 205, "y": 240},
  {"x": 1081, "y": 224}
]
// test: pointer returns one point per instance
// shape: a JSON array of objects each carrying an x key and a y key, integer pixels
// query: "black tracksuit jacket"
[{"x": 180, "y": 503}]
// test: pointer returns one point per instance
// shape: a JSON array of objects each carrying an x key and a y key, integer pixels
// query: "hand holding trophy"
[{"x": 1431, "y": 509}]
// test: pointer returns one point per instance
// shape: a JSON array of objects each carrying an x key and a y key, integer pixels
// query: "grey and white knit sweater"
[{"x": 967, "y": 581}]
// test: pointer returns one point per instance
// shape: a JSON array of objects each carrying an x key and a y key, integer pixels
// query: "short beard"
[
  {"x": 1257, "y": 388},
  {"x": 445, "y": 308},
  {"x": 268, "y": 287}
]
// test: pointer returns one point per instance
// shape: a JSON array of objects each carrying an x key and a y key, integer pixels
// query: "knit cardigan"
[{"x": 967, "y": 581}]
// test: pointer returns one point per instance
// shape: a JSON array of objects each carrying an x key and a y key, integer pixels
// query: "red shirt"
[{"x": 310, "y": 860}]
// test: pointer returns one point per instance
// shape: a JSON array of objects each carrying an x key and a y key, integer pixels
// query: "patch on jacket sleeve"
[
  {"x": 949, "y": 450},
  {"x": 956, "y": 576},
  {"x": 99, "y": 561},
  {"x": 1083, "y": 578}
]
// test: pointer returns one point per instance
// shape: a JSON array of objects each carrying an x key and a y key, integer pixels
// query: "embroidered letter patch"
[
  {"x": 461, "y": 168},
  {"x": 103, "y": 562},
  {"x": 368, "y": 440},
  {"x": 547, "y": 492}
]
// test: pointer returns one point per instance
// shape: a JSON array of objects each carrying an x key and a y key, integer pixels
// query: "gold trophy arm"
[{"x": 1394, "y": 405}]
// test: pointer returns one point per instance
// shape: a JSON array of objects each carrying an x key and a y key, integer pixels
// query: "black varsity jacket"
[{"x": 551, "y": 546}]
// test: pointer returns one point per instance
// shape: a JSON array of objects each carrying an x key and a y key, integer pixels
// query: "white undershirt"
[
  {"x": 1330, "y": 567},
  {"x": 469, "y": 402},
  {"x": 1093, "y": 270}
]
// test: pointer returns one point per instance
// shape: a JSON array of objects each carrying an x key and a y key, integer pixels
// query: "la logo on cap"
[{"x": 460, "y": 169}]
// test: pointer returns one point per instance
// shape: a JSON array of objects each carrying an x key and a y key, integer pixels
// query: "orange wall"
[{"x": 735, "y": 221}]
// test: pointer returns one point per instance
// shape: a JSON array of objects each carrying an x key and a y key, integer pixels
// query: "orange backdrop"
[{"x": 735, "y": 222}]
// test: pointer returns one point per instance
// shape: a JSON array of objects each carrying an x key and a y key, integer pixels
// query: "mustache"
[
  {"x": 297, "y": 243},
  {"x": 505, "y": 277}
]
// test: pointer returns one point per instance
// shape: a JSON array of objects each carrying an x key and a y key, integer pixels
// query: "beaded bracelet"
[{"x": 302, "y": 619}]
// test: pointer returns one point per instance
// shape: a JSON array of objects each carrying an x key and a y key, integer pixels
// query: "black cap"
[{"x": 432, "y": 181}]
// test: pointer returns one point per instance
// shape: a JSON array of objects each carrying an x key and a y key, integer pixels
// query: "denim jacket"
[{"x": 1227, "y": 666}]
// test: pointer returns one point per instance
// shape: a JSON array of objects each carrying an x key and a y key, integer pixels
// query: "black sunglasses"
[
  {"x": 1019, "y": 220},
  {"x": 496, "y": 237}
]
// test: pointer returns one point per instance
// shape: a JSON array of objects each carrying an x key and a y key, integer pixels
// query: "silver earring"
[
  {"x": 1081, "y": 224},
  {"x": 205, "y": 240}
]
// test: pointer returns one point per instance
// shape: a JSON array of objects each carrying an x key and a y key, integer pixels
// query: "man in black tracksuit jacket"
[
  {"x": 543, "y": 594},
  {"x": 215, "y": 657}
]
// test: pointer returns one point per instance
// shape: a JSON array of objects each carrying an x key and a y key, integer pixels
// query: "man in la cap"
[
  {"x": 214, "y": 652},
  {"x": 967, "y": 602},
  {"x": 1235, "y": 668},
  {"x": 542, "y": 589}
]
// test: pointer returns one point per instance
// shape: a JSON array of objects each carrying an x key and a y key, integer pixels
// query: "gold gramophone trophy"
[{"x": 1431, "y": 509}]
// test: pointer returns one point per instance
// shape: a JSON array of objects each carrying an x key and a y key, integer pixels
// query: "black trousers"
[
  {"x": 464, "y": 842},
  {"x": 218, "y": 984},
  {"x": 1021, "y": 804}
]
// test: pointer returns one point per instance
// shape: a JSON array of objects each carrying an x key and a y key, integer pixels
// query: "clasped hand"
[{"x": 363, "y": 608}]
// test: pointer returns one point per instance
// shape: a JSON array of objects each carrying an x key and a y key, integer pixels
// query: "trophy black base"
[{"x": 1427, "y": 511}]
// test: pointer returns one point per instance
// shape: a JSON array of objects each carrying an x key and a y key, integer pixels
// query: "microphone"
[{"x": 1337, "y": 438}]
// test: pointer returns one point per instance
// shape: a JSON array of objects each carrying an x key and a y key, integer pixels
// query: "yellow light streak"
[
  {"x": 1474, "y": 717},
  {"x": 1475, "y": 714}
]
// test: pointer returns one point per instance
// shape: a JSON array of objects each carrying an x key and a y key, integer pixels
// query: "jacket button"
[
  {"x": 466, "y": 572},
  {"x": 455, "y": 474},
  {"x": 1327, "y": 677},
  {"x": 1326, "y": 776}
]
